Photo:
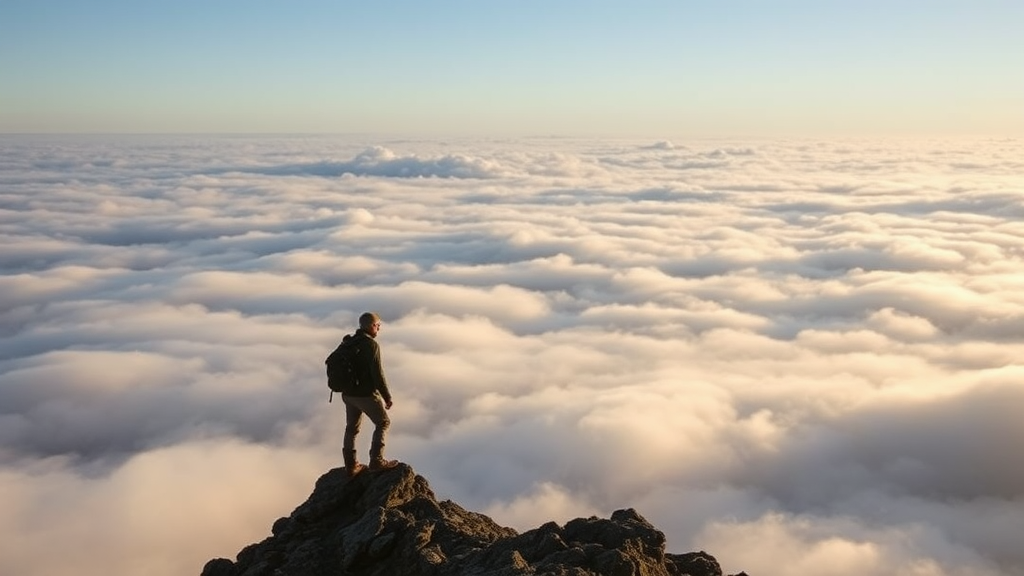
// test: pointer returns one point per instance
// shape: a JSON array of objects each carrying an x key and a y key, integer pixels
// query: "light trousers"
[{"x": 373, "y": 407}]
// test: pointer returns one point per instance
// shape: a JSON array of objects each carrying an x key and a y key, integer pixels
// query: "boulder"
[{"x": 390, "y": 523}]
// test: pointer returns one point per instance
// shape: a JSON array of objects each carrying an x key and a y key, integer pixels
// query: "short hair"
[{"x": 368, "y": 319}]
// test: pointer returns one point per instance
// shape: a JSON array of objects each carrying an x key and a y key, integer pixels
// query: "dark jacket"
[{"x": 369, "y": 368}]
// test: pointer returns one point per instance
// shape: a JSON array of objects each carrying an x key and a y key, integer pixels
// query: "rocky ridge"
[{"x": 390, "y": 523}]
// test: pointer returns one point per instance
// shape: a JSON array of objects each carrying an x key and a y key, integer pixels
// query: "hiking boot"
[
  {"x": 353, "y": 470},
  {"x": 379, "y": 464},
  {"x": 352, "y": 467}
]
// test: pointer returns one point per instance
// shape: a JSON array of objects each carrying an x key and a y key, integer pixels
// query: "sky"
[
  {"x": 678, "y": 68},
  {"x": 801, "y": 356}
]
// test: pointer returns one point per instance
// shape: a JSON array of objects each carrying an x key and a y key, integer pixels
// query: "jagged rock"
[{"x": 391, "y": 524}]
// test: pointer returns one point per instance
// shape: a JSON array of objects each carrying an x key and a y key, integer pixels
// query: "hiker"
[{"x": 372, "y": 399}]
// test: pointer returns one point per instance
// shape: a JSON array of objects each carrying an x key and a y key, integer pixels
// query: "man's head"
[{"x": 369, "y": 322}]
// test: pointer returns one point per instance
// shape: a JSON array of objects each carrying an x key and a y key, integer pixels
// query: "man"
[{"x": 372, "y": 399}]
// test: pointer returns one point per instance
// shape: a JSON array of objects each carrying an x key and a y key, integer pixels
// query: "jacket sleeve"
[{"x": 380, "y": 382}]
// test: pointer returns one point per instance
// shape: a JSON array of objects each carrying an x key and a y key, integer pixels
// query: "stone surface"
[{"x": 390, "y": 524}]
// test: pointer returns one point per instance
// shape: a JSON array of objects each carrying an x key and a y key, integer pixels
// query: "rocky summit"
[{"x": 390, "y": 523}]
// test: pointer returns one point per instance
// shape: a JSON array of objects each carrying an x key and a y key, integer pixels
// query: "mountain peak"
[{"x": 390, "y": 523}]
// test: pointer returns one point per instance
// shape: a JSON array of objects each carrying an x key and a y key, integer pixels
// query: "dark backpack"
[{"x": 341, "y": 368}]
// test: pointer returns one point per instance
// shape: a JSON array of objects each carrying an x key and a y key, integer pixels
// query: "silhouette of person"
[{"x": 374, "y": 399}]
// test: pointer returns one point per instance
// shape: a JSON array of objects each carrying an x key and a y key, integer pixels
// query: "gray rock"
[{"x": 390, "y": 524}]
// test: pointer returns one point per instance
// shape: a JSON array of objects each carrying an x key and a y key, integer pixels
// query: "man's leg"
[
  {"x": 381, "y": 423},
  {"x": 353, "y": 419}
]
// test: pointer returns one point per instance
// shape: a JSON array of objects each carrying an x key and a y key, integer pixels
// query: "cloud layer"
[{"x": 803, "y": 357}]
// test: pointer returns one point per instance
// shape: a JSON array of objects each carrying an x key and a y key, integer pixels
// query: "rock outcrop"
[{"x": 390, "y": 524}]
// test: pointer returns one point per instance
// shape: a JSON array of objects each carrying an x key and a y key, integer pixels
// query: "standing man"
[{"x": 371, "y": 398}]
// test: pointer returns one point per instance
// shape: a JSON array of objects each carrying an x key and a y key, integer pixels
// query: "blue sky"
[{"x": 666, "y": 68}]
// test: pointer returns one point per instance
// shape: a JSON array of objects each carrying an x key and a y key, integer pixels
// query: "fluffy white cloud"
[
  {"x": 799, "y": 356},
  {"x": 792, "y": 546},
  {"x": 159, "y": 512}
]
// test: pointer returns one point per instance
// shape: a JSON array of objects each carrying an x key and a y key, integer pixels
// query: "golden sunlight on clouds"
[{"x": 801, "y": 356}]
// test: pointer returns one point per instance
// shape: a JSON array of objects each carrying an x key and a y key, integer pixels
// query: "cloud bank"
[{"x": 803, "y": 357}]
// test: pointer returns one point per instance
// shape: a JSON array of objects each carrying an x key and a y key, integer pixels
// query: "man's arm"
[{"x": 377, "y": 373}]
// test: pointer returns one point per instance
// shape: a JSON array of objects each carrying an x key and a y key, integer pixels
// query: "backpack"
[{"x": 341, "y": 368}]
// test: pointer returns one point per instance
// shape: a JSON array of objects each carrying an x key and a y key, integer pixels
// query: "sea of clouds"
[{"x": 804, "y": 357}]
